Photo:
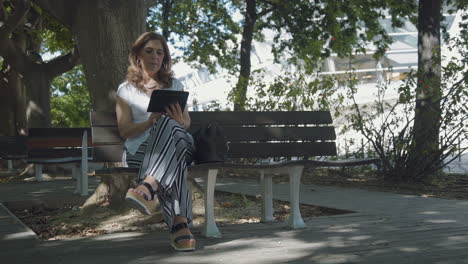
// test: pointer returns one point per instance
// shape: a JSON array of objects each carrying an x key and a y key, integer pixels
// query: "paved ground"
[{"x": 386, "y": 228}]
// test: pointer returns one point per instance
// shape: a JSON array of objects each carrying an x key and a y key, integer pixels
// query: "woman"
[{"x": 157, "y": 143}]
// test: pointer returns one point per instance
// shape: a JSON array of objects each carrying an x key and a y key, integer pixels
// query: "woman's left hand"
[{"x": 175, "y": 112}]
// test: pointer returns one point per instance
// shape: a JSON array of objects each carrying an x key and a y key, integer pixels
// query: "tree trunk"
[
  {"x": 240, "y": 92},
  {"x": 13, "y": 121},
  {"x": 428, "y": 91},
  {"x": 29, "y": 77},
  {"x": 110, "y": 191},
  {"x": 38, "y": 103},
  {"x": 105, "y": 31}
]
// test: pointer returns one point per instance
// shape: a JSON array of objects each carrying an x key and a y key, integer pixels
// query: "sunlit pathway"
[{"x": 385, "y": 228}]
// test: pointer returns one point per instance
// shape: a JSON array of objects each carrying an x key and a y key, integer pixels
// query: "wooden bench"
[
  {"x": 13, "y": 148},
  {"x": 46, "y": 146},
  {"x": 293, "y": 138}
]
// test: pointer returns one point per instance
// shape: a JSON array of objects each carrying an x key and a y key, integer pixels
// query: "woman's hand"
[
  {"x": 154, "y": 117},
  {"x": 175, "y": 113}
]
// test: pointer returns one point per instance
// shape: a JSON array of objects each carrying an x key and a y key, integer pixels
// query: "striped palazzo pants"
[{"x": 165, "y": 156}]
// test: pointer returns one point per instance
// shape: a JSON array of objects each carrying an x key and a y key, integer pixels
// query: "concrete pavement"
[{"x": 386, "y": 228}]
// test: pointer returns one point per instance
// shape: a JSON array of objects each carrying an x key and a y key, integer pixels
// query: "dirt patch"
[
  {"x": 67, "y": 222},
  {"x": 447, "y": 186}
]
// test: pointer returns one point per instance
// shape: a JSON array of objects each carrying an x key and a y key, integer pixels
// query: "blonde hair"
[{"x": 135, "y": 73}]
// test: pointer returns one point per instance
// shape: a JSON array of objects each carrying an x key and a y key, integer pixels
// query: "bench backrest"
[
  {"x": 250, "y": 134},
  {"x": 55, "y": 142}
]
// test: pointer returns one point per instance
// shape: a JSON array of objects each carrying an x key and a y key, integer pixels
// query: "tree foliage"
[
  {"x": 389, "y": 126},
  {"x": 306, "y": 32},
  {"x": 70, "y": 102},
  {"x": 202, "y": 30}
]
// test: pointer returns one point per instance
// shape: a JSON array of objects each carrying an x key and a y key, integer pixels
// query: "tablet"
[{"x": 162, "y": 97}]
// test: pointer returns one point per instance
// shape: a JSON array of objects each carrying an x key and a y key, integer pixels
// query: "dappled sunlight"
[
  {"x": 119, "y": 237},
  {"x": 342, "y": 228},
  {"x": 408, "y": 249},
  {"x": 454, "y": 241},
  {"x": 360, "y": 238},
  {"x": 440, "y": 221},
  {"x": 335, "y": 258},
  {"x": 17, "y": 236},
  {"x": 429, "y": 212}
]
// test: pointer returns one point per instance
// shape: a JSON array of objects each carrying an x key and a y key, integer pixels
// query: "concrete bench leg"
[
  {"x": 266, "y": 183},
  {"x": 10, "y": 165},
  {"x": 84, "y": 165},
  {"x": 77, "y": 178},
  {"x": 84, "y": 179},
  {"x": 38, "y": 172},
  {"x": 210, "y": 229},
  {"x": 295, "y": 218}
]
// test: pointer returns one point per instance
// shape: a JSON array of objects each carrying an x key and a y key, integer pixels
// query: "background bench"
[
  {"x": 60, "y": 146},
  {"x": 255, "y": 138},
  {"x": 13, "y": 148}
]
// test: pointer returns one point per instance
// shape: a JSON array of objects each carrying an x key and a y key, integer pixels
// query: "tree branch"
[
  {"x": 13, "y": 56},
  {"x": 18, "y": 16},
  {"x": 62, "y": 64},
  {"x": 150, "y": 3},
  {"x": 3, "y": 14},
  {"x": 61, "y": 10}
]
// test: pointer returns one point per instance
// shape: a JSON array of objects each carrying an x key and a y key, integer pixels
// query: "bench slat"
[
  {"x": 113, "y": 153},
  {"x": 262, "y": 118},
  {"x": 106, "y": 135},
  {"x": 277, "y": 133},
  {"x": 99, "y": 118},
  {"x": 54, "y": 153},
  {"x": 264, "y": 150},
  {"x": 37, "y": 143},
  {"x": 62, "y": 132},
  {"x": 110, "y": 135},
  {"x": 107, "y": 153},
  {"x": 12, "y": 147}
]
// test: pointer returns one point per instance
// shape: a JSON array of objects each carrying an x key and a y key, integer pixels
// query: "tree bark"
[
  {"x": 29, "y": 76},
  {"x": 105, "y": 31},
  {"x": 111, "y": 191},
  {"x": 240, "y": 92},
  {"x": 166, "y": 13},
  {"x": 428, "y": 91}
]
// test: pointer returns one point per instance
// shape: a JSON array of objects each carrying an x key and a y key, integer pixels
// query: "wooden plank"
[
  {"x": 42, "y": 143},
  {"x": 262, "y": 118},
  {"x": 54, "y": 153},
  {"x": 106, "y": 135},
  {"x": 99, "y": 118},
  {"x": 63, "y": 132},
  {"x": 264, "y": 150},
  {"x": 113, "y": 153},
  {"x": 12, "y": 146},
  {"x": 107, "y": 153},
  {"x": 277, "y": 133}
]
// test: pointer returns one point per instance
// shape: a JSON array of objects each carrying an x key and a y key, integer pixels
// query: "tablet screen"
[{"x": 161, "y": 98}]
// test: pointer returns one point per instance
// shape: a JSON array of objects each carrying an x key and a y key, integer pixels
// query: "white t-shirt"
[{"x": 138, "y": 102}]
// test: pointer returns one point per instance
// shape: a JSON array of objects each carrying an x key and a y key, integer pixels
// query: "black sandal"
[
  {"x": 175, "y": 240},
  {"x": 142, "y": 203}
]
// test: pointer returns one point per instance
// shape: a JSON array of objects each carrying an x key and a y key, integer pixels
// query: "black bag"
[{"x": 210, "y": 143}]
